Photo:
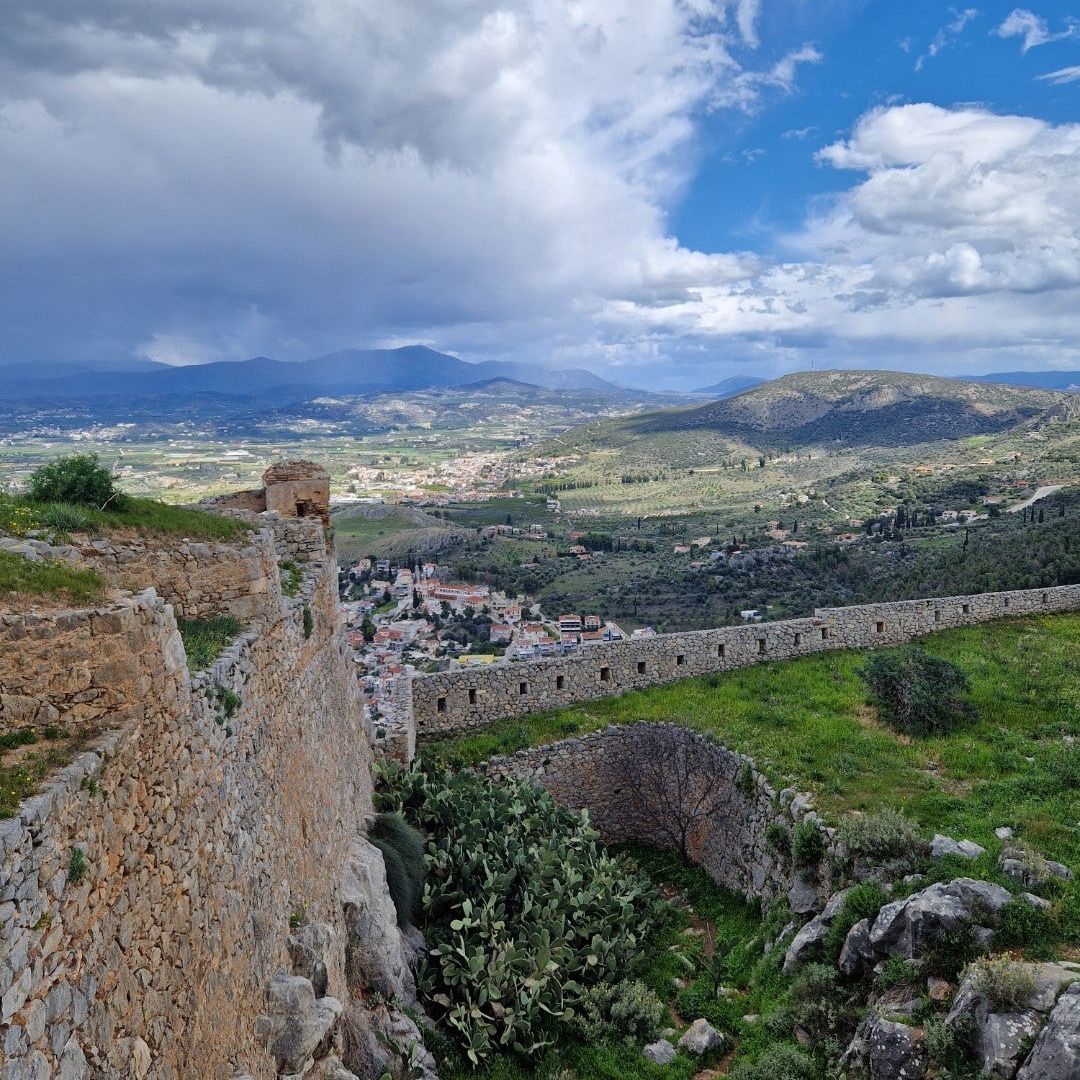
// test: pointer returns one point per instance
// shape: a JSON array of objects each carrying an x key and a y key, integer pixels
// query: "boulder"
[
  {"x": 1031, "y": 869},
  {"x": 660, "y": 1052},
  {"x": 885, "y": 1050},
  {"x": 941, "y": 846},
  {"x": 375, "y": 953},
  {"x": 1056, "y": 1053},
  {"x": 296, "y": 1024},
  {"x": 309, "y": 949},
  {"x": 908, "y": 927},
  {"x": 701, "y": 1037},
  {"x": 1000, "y": 1037},
  {"x": 813, "y": 932}
]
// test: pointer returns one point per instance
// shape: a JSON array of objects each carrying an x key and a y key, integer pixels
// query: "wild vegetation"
[
  {"x": 525, "y": 915},
  {"x": 810, "y": 722},
  {"x": 205, "y": 639},
  {"x": 820, "y": 723},
  {"x": 20, "y": 579}
]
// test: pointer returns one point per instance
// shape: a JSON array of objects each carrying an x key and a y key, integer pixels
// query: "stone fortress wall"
[
  {"x": 464, "y": 700},
  {"x": 646, "y": 783},
  {"x": 147, "y": 893}
]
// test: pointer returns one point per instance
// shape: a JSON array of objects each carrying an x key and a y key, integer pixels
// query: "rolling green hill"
[{"x": 852, "y": 408}]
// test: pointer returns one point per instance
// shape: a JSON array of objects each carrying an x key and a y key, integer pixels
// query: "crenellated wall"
[
  {"x": 667, "y": 786},
  {"x": 216, "y": 810},
  {"x": 467, "y": 699}
]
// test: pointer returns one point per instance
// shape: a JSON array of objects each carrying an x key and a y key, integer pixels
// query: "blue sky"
[
  {"x": 757, "y": 172},
  {"x": 664, "y": 191}
]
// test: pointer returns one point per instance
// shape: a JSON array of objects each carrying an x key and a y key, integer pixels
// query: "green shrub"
[
  {"x": 918, "y": 693},
  {"x": 953, "y": 950},
  {"x": 819, "y": 1004},
  {"x": 309, "y": 621},
  {"x": 64, "y": 517},
  {"x": 205, "y": 639},
  {"x": 1025, "y": 926},
  {"x": 897, "y": 971},
  {"x": 778, "y": 837},
  {"x": 781, "y": 1062},
  {"x": 627, "y": 1008},
  {"x": 952, "y": 1045},
  {"x": 862, "y": 902},
  {"x": 524, "y": 909},
  {"x": 402, "y": 848},
  {"x": 807, "y": 845},
  {"x": 1005, "y": 983},
  {"x": 78, "y": 479},
  {"x": 77, "y": 865},
  {"x": 885, "y": 837}
]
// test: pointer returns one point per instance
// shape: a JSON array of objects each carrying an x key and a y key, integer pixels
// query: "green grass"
[
  {"x": 21, "y": 779},
  {"x": 20, "y": 577},
  {"x": 807, "y": 723},
  {"x": 144, "y": 516},
  {"x": 205, "y": 639}
]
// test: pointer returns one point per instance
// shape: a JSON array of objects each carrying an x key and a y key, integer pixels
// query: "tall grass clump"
[{"x": 402, "y": 850}]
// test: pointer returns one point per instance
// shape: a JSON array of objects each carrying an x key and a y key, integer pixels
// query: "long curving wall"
[{"x": 468, "y": 699}]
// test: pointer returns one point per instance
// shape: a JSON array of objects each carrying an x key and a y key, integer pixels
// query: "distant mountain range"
[
  {"x": 852, "y": 408},
  {"x": 729, "y": 387},
  {"x": 348, "y": 371},
  {"x": 1045, "y": 380}
]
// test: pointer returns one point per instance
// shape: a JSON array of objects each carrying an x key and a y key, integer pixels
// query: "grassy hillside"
[
  {"x": 807, "y": 723},
  {"x": 392, "y": 532}
]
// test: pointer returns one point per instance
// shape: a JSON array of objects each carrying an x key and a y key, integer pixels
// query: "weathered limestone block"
[
  {"x": 376, "y": 955},
  {"x": 296, "y": 1023}
]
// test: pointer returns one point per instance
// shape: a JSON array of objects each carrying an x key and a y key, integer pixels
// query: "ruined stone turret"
[
  {"x": 298, "y": 489},
  {"x": 293, "y": 489}
]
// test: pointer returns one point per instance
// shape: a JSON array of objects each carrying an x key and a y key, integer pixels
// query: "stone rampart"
[
  {"x": 667, "y": 786},
  {"x": 147, "y": 893},
  {"x": 198, "y": 579},
  {"x": 468, "y": 699}
]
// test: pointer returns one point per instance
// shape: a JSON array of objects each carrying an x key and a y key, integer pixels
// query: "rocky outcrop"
[
  {"x": 910, "y": 926},
  {"x": 1002, "y": 1031},
  {"x": 942, "y": 846},
  {"x": 1056, "y": 1053},
  {"x": 377, "y": 956},
  {"x": 297, "y": 1025},
  {"x": 886, "y": 1050},
  {"x": 1031, "y": 869},
  {"x": 813, "y": 933}
]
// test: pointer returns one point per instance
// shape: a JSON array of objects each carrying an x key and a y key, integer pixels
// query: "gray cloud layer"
[{"x": 193, "y": 180}]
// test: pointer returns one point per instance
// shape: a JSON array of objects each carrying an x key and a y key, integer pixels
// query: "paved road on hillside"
[{"x": 1040, "y": 493}]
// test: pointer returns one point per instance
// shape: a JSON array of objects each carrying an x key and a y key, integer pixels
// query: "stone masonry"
[
  {"x": 643, "y": 782},
  {"x": 147, "y": 893},
  {"x": 465, "y": 700}
]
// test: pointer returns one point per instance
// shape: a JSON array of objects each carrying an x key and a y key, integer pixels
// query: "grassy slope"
[
  {"x": 52, "y": 580},
  {"x": 806, "y": 722},
  {"x": 147, "y": 517}
]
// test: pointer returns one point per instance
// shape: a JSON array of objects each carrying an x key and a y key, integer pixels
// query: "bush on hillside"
[
  {"x": 807, "y": 845},
  {"x": 628, "y": 1009},
  {"x": 1005, "y": 983},
  {"x": 524, "y": 910},
  {"x": 917, "y": 693},
  {"x": 402, "y": 850},
  {"x": 781, "y": 1062},
  {"x": 885, "y": 838},
  {"x": 862, "y": 902},
  {"x": 78, "y": 479}
]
